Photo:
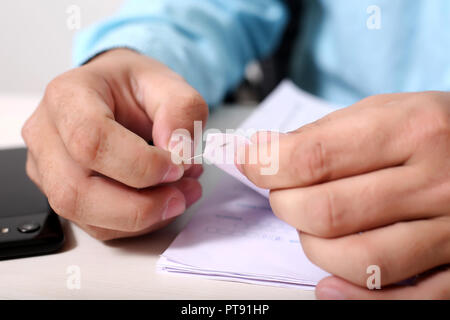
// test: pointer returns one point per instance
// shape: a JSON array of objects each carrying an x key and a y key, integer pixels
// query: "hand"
[
  {"x": 369, "y": 185},
  {"x": 89, "y": 151}
]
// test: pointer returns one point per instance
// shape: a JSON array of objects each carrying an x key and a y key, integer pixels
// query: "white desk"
[{"x": 120, "y": 269}]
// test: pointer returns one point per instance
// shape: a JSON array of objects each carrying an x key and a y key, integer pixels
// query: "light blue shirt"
[{"x": 346, "y": 49}]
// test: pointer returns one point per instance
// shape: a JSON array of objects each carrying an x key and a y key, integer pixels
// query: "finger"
[
  {"x": 357, "y": 142},
  {"x": 358, "y": 203},
  {"x": 113, "y": 84},
  {"x": 435, "y": 286},
  {"x": 103, "y": 234},
  {"x": 171, "y": 103},
  {"x": 108, "y": 204},
  {"x": 380, "y": 101},
  {"x": 191, "y": 189},
  {"x": 188, "y": 186},
  {"x": 164, "y": 96},
  {"x": 194, "y": 172},
  {"x": 400, "y": 251},
  {"x": 94, "y": 139},
  {"x": 153, "y": 210},
  {"x": 95, "y": 200}
]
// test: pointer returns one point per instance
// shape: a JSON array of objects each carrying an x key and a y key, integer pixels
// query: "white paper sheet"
[
  {"x": 286, "y": 109},
  {"x": 235, "y": 235}
]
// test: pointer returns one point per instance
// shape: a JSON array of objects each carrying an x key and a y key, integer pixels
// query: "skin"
[
  {"x": 88, "y": 145},
  {"x": 366, "y": 185},
  {"x": 369, "y": 185}
]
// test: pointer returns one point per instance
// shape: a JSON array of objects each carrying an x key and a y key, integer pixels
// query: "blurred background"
[
  {"x": 36, "y": 46},
  {"x": 36, "y": 42}
]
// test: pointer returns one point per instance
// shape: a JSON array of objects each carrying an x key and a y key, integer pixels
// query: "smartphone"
[{"x": 28, "y": 226}]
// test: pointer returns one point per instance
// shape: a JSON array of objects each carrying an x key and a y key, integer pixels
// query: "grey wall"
[{"x": 35, "y": 42}]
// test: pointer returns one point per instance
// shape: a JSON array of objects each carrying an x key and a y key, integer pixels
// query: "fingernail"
[
  {"x": 329, "y": 294},
  {"x": 175, "y": 207},
  {"x": 174, "y": 173}
]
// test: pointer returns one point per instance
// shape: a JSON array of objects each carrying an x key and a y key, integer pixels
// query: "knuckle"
[
  {"x": 324, "y": 217},
  {"x": 194, "y": 98},
  {"x": 56, "y": 88},
  {"x": 316, "y": 166},
  {"x": 52, "y": 91},
  {"x": 136, "y": 218},
  {"x": 139, "y": 216},
  {"x": 28, "y": 130},
  {"x": 63, "y": 199},
  {"x": 86, "y": 142},
  {"x": 439, "y": 118},
  {"x": 143, "y": 166},
  {"x": 431, "y": 116},
  {"x": 193, "y": 105},
  {"x": 63, "y": 94}
]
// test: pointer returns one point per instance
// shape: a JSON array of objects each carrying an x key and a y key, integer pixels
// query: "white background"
[{"x": 35, "y": 42}]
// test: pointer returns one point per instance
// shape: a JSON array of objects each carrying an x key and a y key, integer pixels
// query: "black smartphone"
[{"x": 28, "y": 226}]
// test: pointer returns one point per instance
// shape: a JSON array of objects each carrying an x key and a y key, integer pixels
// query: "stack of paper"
[{"x": 235, "y": 235}]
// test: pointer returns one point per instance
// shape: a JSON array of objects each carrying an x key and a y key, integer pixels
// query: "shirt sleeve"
[{"x": 208, "y": 42}]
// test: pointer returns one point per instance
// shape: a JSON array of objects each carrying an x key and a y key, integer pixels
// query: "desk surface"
[{"x": 119, "y": 269}]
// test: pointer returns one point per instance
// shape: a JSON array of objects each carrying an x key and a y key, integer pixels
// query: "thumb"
[
  {"x": 170, "y": 102},
  {"x": 181, "y": 112},
  {"x": 180, "y": 115}
]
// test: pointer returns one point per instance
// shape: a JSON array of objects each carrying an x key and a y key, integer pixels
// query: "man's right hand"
[{"x": 88, "y": 145}]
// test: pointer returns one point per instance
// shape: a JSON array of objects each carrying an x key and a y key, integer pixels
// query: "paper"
[
  {"x": 235, "y": 235},
  {"x": 220, "y": 150},
  {"x": 285, "y": 110}
]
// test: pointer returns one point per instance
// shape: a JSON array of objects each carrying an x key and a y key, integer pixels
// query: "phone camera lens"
[{"x": 29, "y": 227}]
